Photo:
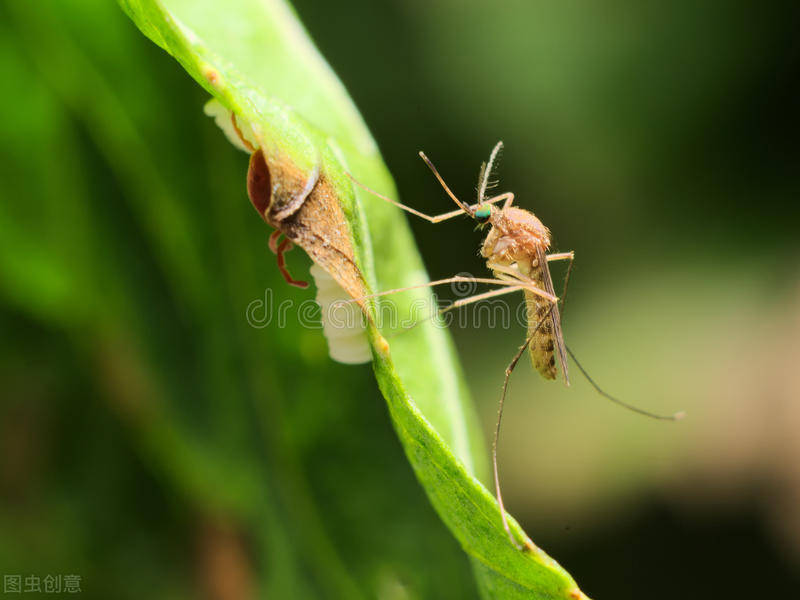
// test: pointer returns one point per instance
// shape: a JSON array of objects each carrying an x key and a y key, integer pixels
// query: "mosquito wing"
[{"x": 544, "y": 324}]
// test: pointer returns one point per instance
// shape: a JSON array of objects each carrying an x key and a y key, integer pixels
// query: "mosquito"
[{"x": 515, "y": 250}]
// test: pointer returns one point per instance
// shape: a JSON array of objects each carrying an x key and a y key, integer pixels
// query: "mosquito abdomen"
[{"x": 542, "y": 346}]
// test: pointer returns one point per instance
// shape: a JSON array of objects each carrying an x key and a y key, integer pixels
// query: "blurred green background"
[{"x": 157, "y": 445}]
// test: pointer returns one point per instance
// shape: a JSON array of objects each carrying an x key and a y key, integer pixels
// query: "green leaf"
[{"x": 255, "y": 58}]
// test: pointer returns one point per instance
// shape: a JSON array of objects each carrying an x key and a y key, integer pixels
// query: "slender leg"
[
  {"x": 673, "y": 417},
  {"x": 413, "y": 211},
  {"x": 459, "y": 279},
  {"x": 478, "y": 297},
  {"x": 507, "y": 196},
  {"x": 508, "y": 271},
  {"x": 515, "y": 282},
  {"x": 520, "y": 277},
  {"x": 566, "y": 281},
  {"x": 282, "y": 249},
  {"x": 460, "y": 204},
  {"x": 509, "y": 370},
  {"x": 570, "y": 256},
  {"x": 460, "y": 303},
  {"x": 561, "y": 256}
]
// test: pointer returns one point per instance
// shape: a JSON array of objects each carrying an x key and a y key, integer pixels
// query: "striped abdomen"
[
  {"x": 543, "y": 343},
  {"x": 544, "y": 322}
]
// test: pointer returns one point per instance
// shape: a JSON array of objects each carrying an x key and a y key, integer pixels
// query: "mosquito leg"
[
  {"x": 459, "y": 279},
  {"x": 509, "y": 370},
  {"x": 478, "y": 297},
  {"x": 566, "y": 281},
  {"x": 513, "y": 275},
  {"x": 282, "y": 249},
  {"x": 517, "y": 276},
  {"x": 570, "y": 256},
  {"x": 460, "y": 204},
  {"x": 413, "y": 211},
  {"x": 507, "y": 197},
  {"x": 460, "y": 303},
  {"x": 498, "y": 494},
  {"x": 673, "y": 417},
  {"x": 561, "y": 256},
  {"x": 508, "y": 271}
]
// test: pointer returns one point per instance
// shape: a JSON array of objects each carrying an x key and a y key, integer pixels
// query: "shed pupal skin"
[
  {"x": 237, "y": 130},
  {"x": 346, "y": 335}
]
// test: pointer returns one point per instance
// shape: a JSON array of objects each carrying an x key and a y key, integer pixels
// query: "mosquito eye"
[{"x": 483, "y": 213}]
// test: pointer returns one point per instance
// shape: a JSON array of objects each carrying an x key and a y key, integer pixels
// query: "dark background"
[{"x": 154, "y": 443}]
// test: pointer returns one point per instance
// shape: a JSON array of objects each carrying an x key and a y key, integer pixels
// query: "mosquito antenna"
[
  {"x": 481, "y": 178},
  {"x": 673, "y": 417},
  {"x": 486, "y": 170},
  {"x": 461, "y": 205}
]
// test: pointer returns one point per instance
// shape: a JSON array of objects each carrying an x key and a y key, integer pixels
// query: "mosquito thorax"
[
  {"x": 524, "y": 225},
  {"x": 516, "y": 235}
]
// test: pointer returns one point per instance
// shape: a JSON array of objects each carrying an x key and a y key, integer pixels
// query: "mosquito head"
[{"x": 482, "y": 214}]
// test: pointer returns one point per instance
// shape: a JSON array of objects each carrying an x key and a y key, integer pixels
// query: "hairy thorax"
[{"x": 515, "y": 237}]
